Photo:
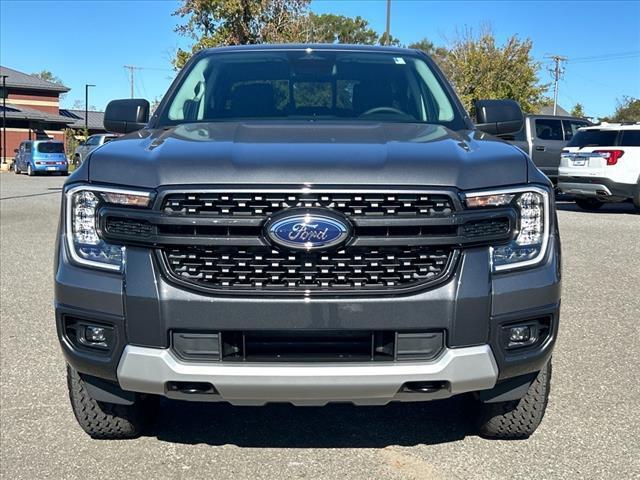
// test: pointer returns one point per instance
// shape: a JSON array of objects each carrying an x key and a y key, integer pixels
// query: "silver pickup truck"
[
  {"x": 544, "y": 136},
  {"x": 93, "y": 142}
]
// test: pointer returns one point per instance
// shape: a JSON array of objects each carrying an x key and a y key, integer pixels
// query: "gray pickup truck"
[
  {"x": 543, "y": 138},
  {"x": 308, "y": 224},
  {"x": 90, "y": 144}
]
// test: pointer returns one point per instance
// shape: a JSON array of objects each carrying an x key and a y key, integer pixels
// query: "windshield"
[
  {"x": 311, "y": 85},
  {"x": 594, "y": 138},
  {"x": 50, "y": 147}
]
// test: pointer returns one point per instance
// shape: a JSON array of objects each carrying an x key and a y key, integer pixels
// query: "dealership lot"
[{"x": 590, "y": 431}]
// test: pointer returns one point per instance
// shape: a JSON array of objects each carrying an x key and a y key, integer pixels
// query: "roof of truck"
[{"x": 312, "y": 46}]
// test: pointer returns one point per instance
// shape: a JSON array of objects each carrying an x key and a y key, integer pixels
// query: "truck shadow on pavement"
[{"x": 332, "y": 426}]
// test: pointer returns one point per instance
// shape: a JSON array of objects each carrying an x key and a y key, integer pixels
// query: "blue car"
[{"x": 41, "y": 156}]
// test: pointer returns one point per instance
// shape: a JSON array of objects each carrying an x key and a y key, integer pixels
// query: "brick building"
[{"x": 32, "y": 111}]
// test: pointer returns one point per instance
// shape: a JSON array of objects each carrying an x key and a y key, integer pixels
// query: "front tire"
[
  {"x": 16, "y": 170},
  {"x": 518, "y": 419},
  {"x": 589, "y": 204},
  {"x": 30, "y": 171},
  {"x": 102, "y": 420}
]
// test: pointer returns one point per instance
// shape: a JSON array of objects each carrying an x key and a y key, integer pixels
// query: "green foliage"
[
  {"x": 70, "y": 142},
  {"x": 628, "y": 110},
  {"x": 578, "y": 111},
  {"x": 213, "y": 23},
  {"x": 479, "y": 68},
  {"x": 49, "y": 77},
  {"x": 330, "y": 28}
]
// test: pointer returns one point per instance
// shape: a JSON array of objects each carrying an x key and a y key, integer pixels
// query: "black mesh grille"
[
  {"x": 264, "y": 268},
  {"x": 484, "y": 228},
  {"x": 263, "y": 204},
  {"x": 123, "y": 226}
]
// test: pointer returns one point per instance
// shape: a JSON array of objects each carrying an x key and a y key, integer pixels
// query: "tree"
[
  {"x": 214, "y": 23},
  {"x": 578, "y": 111},
  {"x": 428, "y": 47},
  {"x": 49, "y": 77},
  {"x": 79, "y": 105},
  {"x": 330, "y": 28},
  {"x": 628, "y": 110},
  {"x": 479, "y": 68}
]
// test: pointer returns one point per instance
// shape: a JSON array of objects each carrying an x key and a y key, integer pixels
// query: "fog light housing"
[
  {"x": 520, "y": 333},
  {"x": 95, "y": 334},
  {"x": 99, "y": 337}
]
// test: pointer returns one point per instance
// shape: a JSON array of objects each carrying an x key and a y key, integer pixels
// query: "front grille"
[
  {"x": 486, "y": 228},
  {"x": 267, "y": 203},
  {"x": 348, "y": 269},
  {"x": 128, "y": 227},
  {"x": 307, "y": 345}
]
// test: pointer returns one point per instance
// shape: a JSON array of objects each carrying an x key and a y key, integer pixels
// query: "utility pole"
[
  {"x": 131, "y": 69},
  {"x": 557, "y": 72},
  {"x": 86, "y": 106},
  {"x": 388, "y": 30}
]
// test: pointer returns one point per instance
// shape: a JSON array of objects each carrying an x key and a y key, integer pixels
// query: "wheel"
[
  {"x": 636, "y": 199},
  {"x": 105, "y": 420},
  {"x": 16, "y": 170},
  {"x": 30, "y": 171},
  {"x": 517, "y": 419},
  {"x": 590, "y": 204}
]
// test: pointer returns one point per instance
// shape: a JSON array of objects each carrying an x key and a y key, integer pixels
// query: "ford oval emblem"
[{"x": 308, "y": 229}]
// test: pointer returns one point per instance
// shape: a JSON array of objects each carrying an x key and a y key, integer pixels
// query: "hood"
[{"x": 308, "y": 153}]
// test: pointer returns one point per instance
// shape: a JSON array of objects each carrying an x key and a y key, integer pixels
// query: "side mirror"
[
  {"x": 125, "y": 116},
  {"x": 81, "y": 143},
  {"x": 15, "y": 150},
  {"x": 499, "y": 117}
]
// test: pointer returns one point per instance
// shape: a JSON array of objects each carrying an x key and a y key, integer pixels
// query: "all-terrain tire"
[
  {"x": 104, "y": 420},
  {"x": 589, "y": 204},
  {"x": 520, "y": 418}
]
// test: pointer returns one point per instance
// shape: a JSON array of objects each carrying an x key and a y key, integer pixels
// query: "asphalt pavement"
[{"x": 591, "y": 430}]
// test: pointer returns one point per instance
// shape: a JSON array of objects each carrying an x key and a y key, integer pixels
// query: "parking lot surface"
[{"x": 591, "y": 430}]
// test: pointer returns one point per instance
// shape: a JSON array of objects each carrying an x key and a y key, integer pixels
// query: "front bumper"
[
  {"x": 143, "y": 307},
  {"x": 149, "y": 370}
]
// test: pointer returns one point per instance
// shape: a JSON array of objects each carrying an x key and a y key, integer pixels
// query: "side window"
[
  {"x": 630, "y": 138},
  {"x": 27, "y": 147},
  {"x": 571, "y": 127},
  {"x": 521, "y": 136},
  {"x": 548, "y": 129},
  {"x": 92, "y": 141}
]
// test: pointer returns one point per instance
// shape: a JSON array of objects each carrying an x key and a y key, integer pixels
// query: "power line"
[
  {"x": 133, "y": 68},
  {"x": 557, "y": 72}
]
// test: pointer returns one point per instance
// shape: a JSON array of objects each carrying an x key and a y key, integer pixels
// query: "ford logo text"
[{"x": 307, "y": 230}]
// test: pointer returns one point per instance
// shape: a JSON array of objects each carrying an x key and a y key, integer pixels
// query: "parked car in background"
[
  {"x": 544, "y": 136},
  {"x": 93, "y": 142},
  {"x": 40, "y": 156},
  {"x": 602, "y": 164}
]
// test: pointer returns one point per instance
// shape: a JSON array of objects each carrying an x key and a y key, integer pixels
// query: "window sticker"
[{"x": 399, "y": 60}]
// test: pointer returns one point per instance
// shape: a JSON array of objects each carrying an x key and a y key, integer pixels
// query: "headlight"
[
  {"x": 83, "y": 239},
  {"x": 530, "y": 244}
]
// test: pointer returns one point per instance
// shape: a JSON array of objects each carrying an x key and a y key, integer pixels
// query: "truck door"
[{"x": 547, "y": 140}]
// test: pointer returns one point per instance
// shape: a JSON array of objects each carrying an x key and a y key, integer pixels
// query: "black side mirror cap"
[
  {"x": 15, "y": 150},
  {"x": 499, "y": 117},
  {"x": 126, "y": 116}
]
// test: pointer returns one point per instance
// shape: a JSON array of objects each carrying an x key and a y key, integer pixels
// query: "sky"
[{"x": 90, "y": 41}]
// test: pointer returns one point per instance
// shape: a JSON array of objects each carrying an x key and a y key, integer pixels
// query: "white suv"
[{"x": 602, "y": 164}]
